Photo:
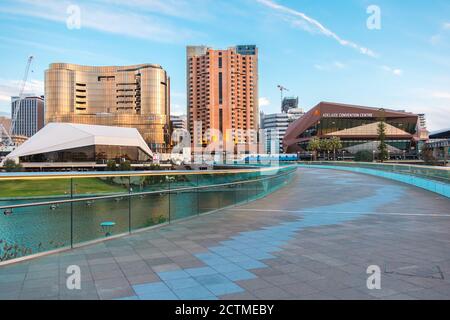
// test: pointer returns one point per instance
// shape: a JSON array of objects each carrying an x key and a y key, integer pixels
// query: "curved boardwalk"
[{"x": 311, "y": 240}]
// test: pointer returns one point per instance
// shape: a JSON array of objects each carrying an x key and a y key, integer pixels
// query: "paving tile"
[
  {"x": 166, "y": 268},
  {"x": 181, "y": 283},
  {"x": 224, "y": 288},
  {"x": 202, "y": 271},
  {"x": 171, "y": 275},
  {"x": 251, "y": 264},
  {"x": 227, "y": 267},
  {"x": 239, "y": 275},
  {"x": 165, "y": 295},
  {"x": 212, "y": 279},
  {"x": 272, "y": 293},
  {"x": 194, "y": 293},
  {"x": 299, "y": 289},
  {"x": 150, "y": 288},
  {"x": 142, "y": 278},
  {"x": 242, "y": 296}
]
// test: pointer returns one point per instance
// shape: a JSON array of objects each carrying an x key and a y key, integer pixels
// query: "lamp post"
[
  {"x": 373, "y": 155},
  {"x": 404, "y": 154},
  {"x": 343, "y": 155},
  {"x": 389, "y": 155}
]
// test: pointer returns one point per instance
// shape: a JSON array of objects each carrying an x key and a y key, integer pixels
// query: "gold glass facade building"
[{"x": 136, "y": 96}]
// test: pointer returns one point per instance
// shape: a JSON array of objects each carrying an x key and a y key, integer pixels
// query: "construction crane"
[
  {"x": 8, "y": 142},
  {"x": 282, "y": 89}
]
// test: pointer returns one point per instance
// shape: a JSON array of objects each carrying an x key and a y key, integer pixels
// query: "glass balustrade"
[{"x": 45, "y": 212}]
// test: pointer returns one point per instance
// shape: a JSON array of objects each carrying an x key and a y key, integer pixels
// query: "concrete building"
[
  {"x": 178, "y": 122},
  {"x": 276, "y": 125},
  {"x": 5, "y": 122},
  {"x": 222, "y": 90},
  {"x": 136, "y": 96},
  {"x": 422, "y": 121},
  {"x": 29, "y": 112}
]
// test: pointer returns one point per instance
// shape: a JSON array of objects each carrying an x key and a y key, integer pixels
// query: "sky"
[{"x": 380, "y": 53}]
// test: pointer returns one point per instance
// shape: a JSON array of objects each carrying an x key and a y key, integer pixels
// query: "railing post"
[
  {"x": 170, "y": 200},
  {"x": 198, "y": 197},
  {"x": 129, "y": 204},
  {"x": 246, "y": 190},
  {"x": 71, "y": 213},
  {"x": 235, "y": 193}
]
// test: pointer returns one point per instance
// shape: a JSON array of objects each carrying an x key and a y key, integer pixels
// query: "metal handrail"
[
  {"x": 74, "y": 175},
  {"x": 129, "y": 194},
  {"x": 391, "y": 169}
]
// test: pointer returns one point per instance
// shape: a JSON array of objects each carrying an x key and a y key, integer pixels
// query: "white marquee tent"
[{"x": 62, "y": 136}]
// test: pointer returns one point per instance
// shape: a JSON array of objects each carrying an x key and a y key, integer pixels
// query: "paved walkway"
[{"x": 311, "y": 240}]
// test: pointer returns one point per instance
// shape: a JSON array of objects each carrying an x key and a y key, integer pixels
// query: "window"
[{"x": 220, "y": 88}]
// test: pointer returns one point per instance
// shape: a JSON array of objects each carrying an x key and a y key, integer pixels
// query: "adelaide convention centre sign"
[{"x": 347, "y": 115}]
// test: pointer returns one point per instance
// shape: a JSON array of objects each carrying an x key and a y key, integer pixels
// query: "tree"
[
  {"x": 325, "y": 145},
  {"x": 382, "y": 147},
  {"x": 111, "y": 165},
  {"x": 428, "y": 156},
  {"x": 314, "y": 146},
  {"x": 336, "y": 144},
  {"x": 11, "y": 166}
]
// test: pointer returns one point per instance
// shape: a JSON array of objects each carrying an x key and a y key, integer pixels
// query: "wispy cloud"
[
  {"x": 43, "y": 46},
  {"x": 186, "y": 9},
  {"x": 104, "y": 18},
  {"x": 264, "y": 102},
  {"x": 395, "y": 71},
  {"x": 336, "y": 65},
  {"x": 309, "y": 24},
  {"x": 440, "y": 36},
  {"x": 441, "y": 95},
  {"x": 9, "y": 88}
]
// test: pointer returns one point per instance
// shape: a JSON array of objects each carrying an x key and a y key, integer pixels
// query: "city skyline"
[{"x": 321, "y": 53}]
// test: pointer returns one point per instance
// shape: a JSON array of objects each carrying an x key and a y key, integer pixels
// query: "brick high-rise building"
[{"x": 222, "y": 90}]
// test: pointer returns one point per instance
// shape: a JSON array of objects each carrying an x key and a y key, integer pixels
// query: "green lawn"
[{"x": 55, "y": 187}]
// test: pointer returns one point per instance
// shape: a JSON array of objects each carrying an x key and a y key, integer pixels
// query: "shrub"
[
  {"x": 11, "y": 166},
  {"x": 125, "y": 166},
  {"x": 111, "y": 165}
]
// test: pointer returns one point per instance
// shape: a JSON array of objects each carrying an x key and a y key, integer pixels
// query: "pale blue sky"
[{"x": 321, "y": 50}]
